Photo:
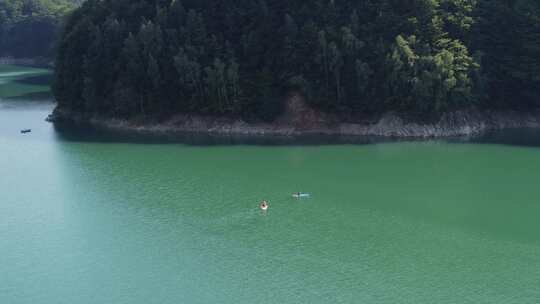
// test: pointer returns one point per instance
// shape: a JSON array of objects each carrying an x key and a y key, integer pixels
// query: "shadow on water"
[
  {"x": 85, "y": 133},
  {"x": 44, "y": 79},
  {"x": 521, "y": 137},
  {"x": 27, "y": 104},
  {"x": 33, "y": 96}
]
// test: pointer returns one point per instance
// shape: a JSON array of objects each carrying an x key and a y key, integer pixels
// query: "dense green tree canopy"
[
  {"x": 241, "y": 57},
  {"x": 507, "y": 37},
  {"x": 29, "y": 28}
]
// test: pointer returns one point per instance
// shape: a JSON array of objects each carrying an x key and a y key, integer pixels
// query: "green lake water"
[{"x": 99, "y": 221}]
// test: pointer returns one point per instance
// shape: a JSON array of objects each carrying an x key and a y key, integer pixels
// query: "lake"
[{"x": 84, "y": 220}]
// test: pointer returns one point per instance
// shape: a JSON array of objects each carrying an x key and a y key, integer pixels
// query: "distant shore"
[
  {"x": 41, "y": 62},
  {"x": 460, "y": 123}
]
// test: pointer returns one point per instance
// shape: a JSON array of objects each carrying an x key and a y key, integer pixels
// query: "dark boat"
[{"x": 26, "y": 131}]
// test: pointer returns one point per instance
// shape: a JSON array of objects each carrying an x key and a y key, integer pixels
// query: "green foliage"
[
  {"x": 240, "y": 58},
  {"x": 507, "y": 38},
  {"x": 29, "y": 28}
]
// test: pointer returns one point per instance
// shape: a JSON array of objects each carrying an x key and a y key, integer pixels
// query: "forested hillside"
[
  {"x": 29, "y": 28},
  {"x": 128, "y": 58}
]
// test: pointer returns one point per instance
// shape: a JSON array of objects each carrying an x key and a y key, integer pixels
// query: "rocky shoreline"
[{"x": 460, "y": 123}]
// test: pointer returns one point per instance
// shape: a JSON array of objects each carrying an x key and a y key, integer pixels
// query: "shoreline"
[
  {"x": 41, "y": 62},
  {"x": 454, "y": 124}
]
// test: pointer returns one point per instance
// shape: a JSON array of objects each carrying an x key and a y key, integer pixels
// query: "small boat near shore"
[
  {"x": 264, "y": 205},
  {"x": 25, "y": 131}
]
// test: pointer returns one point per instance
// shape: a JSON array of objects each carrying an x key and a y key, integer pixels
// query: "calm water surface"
[{"x": 102, "y": 222}]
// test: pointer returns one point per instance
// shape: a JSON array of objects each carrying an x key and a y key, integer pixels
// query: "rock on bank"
[{"x": 458, "y": 123}]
